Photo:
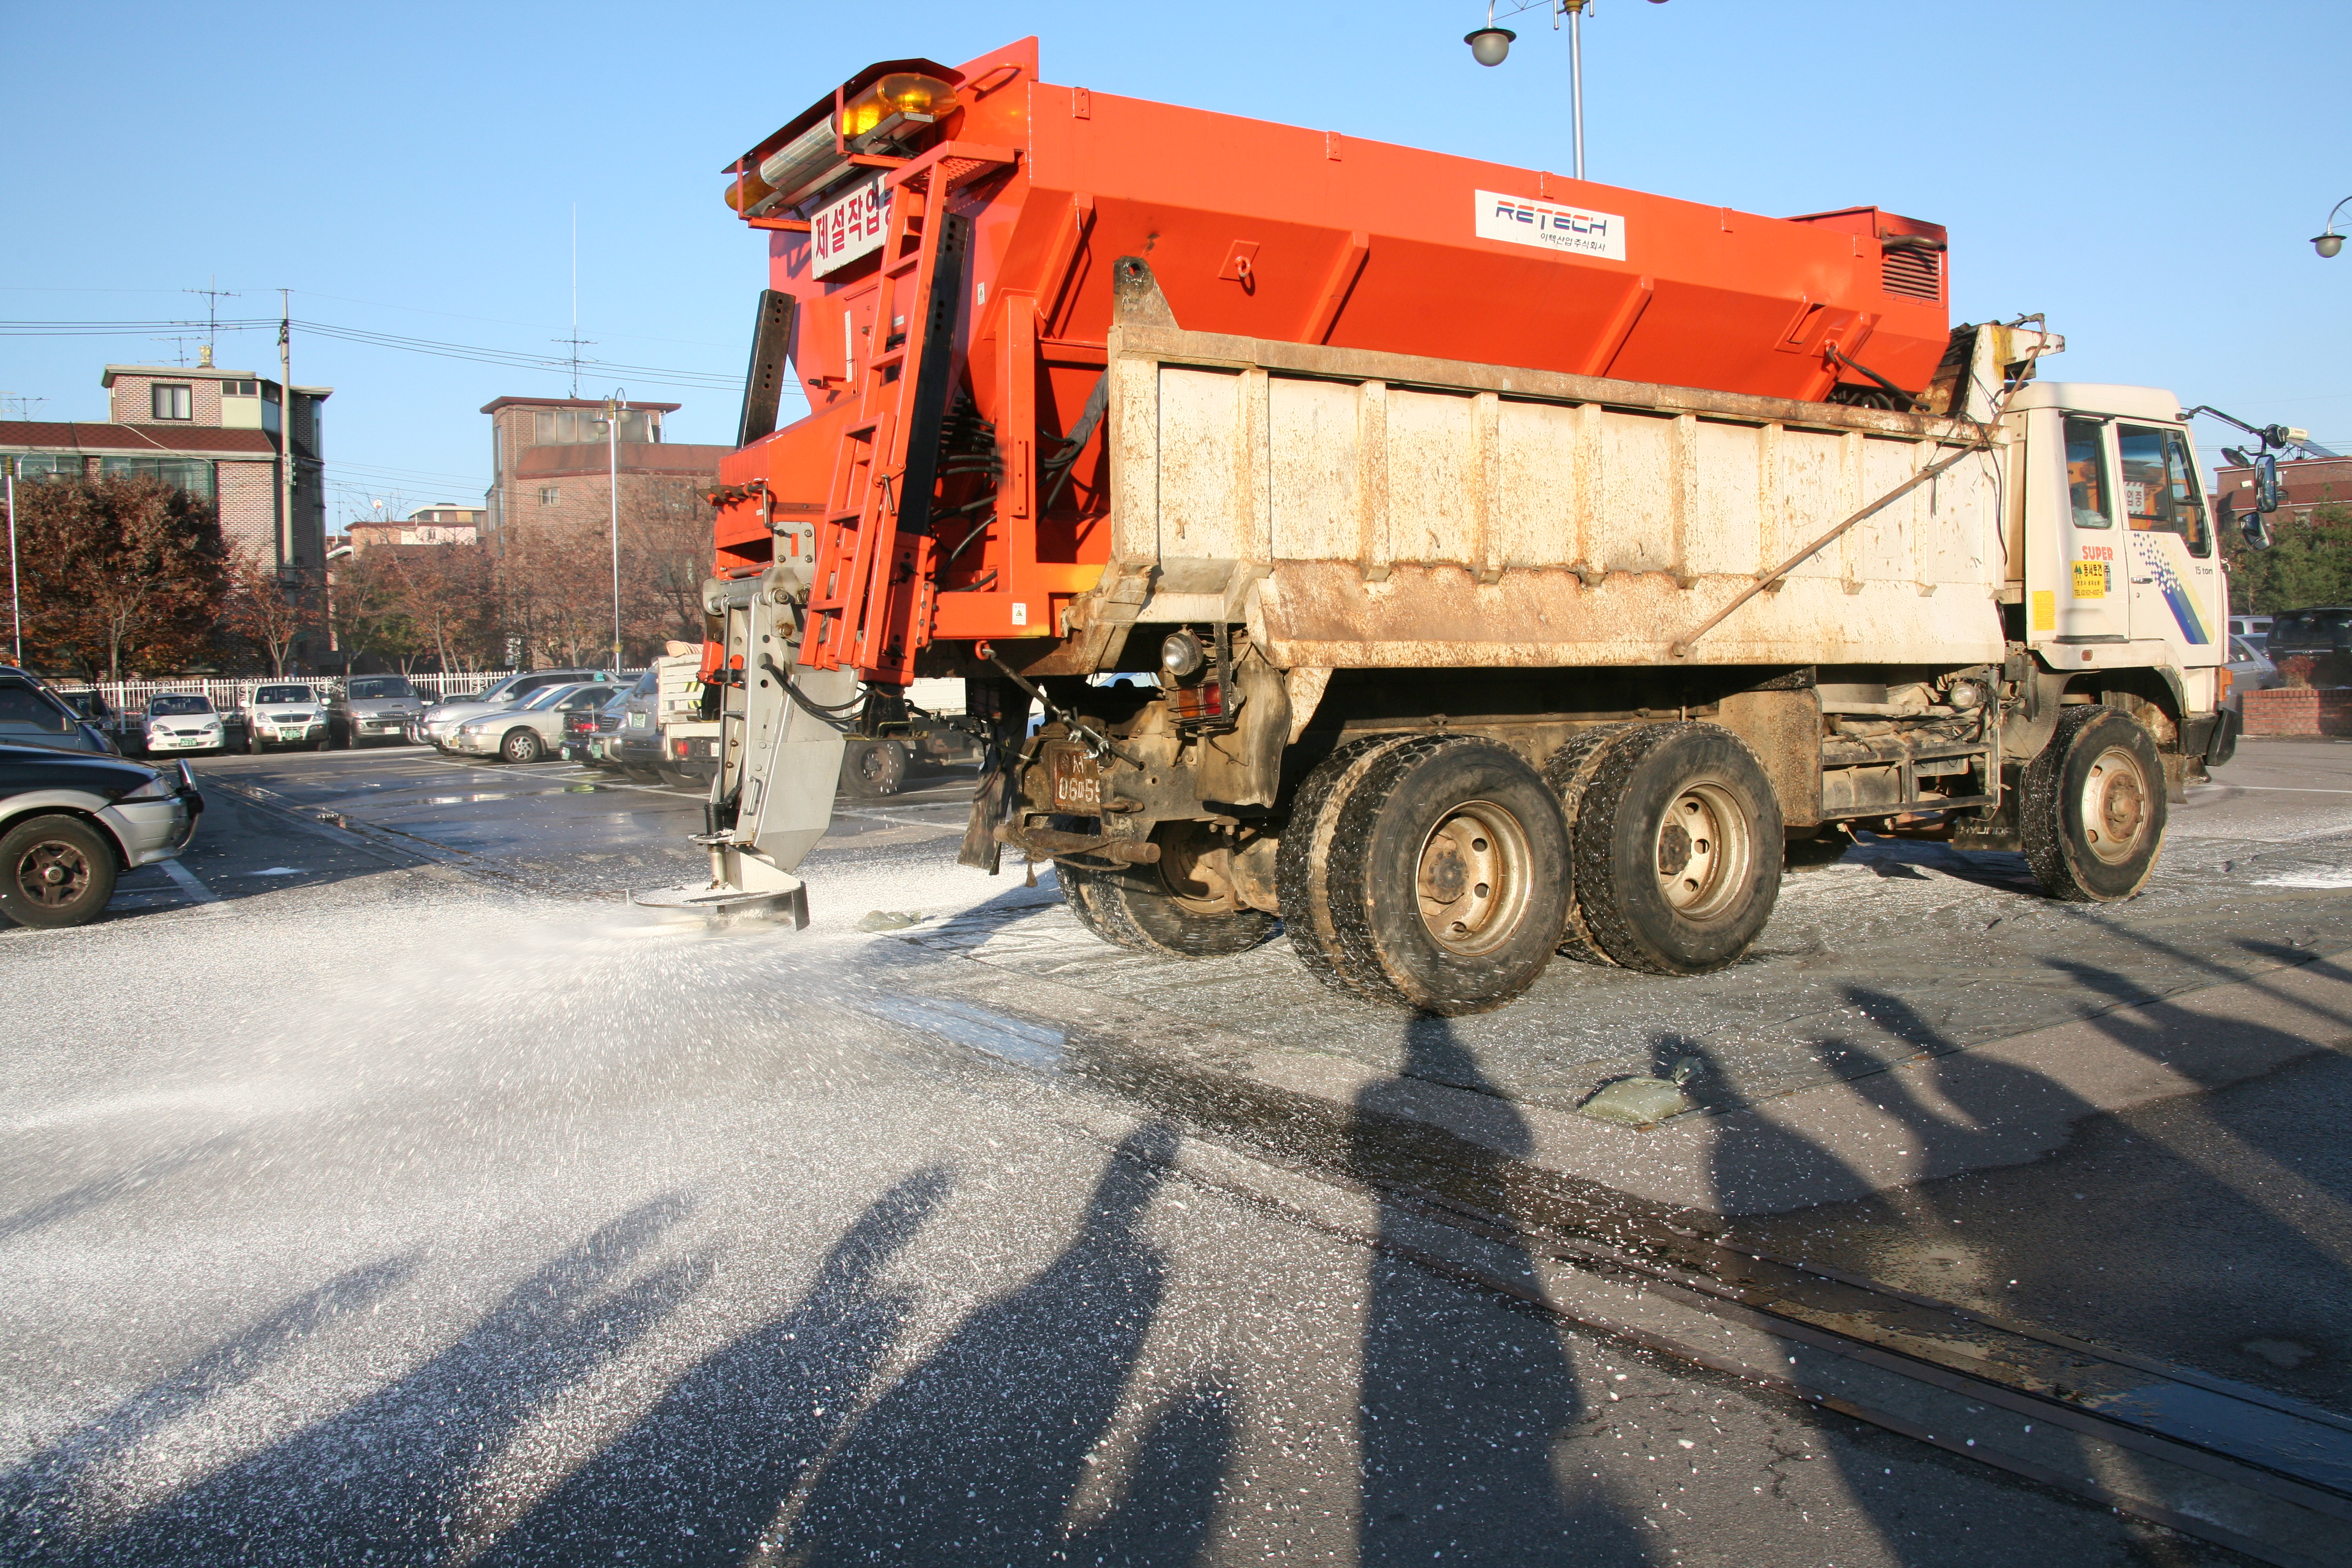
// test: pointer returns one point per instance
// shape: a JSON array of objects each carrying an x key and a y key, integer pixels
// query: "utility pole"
[
  {"x": 285, "y": 432},
  {"x": 614, "y": 405},
  {"x": 16, "y": 605}
]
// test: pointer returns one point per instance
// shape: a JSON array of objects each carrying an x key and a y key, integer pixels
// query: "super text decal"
[
  {"x": 851, "y": 227},
  {"x": 1549, "y": 226}
]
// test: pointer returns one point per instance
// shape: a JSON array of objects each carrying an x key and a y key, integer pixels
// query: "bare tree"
[{"x": 266, "y": 611}]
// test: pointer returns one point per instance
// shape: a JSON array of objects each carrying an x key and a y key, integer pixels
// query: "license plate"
[
  {"x": 1077, "y": 782},
  {"x": 636, "y": 720}
]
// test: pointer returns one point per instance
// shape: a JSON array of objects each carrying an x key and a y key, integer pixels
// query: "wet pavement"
[{"x": 381, "y": 1189}]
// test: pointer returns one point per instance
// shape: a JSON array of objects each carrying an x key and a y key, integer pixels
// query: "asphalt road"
[{"x": 380, "y": 1188}]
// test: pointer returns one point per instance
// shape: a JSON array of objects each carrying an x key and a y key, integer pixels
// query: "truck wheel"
[
  {"x": 55, "y": 871},
  {"x": 2092, "y": 807},
  {"x": 1446, "y": 881},
  {"x": 1139, "y": 910},
  {"x": 874, "y": 767},
  {"x": 520, "y": 746},
  {"x": 1570, "y": 773},
  {"x": 1303, "y": 856},
  {"x": 1678, "y": 849}
]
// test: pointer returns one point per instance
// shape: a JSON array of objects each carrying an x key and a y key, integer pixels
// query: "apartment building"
[{"x": 212, "y": 432}]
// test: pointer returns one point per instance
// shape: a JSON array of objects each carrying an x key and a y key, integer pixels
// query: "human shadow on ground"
[
  {"x": 2143, "y": 1230},
  {"x": 54, "y": 1501},
  {"x": 698, "y": 1478},
  {"x": 384, "y": 1480},
  {"x": 1459, "y": 1422},
  {"x": 984, "y": 1450}
]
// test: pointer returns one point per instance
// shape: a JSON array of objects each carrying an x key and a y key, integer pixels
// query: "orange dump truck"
[{"x": 1448, "y": 563}]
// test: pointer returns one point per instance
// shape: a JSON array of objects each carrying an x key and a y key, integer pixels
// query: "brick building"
[
  {"x": 212, "y": 432},
  {"x": 2303, "y": 483},
  {"x": 551, "y": 464}
]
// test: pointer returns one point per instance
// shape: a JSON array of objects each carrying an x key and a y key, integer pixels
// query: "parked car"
[
  {"x": 91, "y": 707},
  {"x": 2255, "y": 629},
  {"x": 531, "y": 730},
  {"x": 439, "y": 722},
  {"x": 601, "y": 746},
  {"x": 285, "y": 714},
  {"x": 70, "y": 824},
  {"x": 636, "y": 747},
  {"x": 33, "y": 715},
  {"x": 372, "y": 708},
  {"x": 182, "y": 722},
  {"x": 2324, "y": 628},
  {"x": 2250, "y": 670}
]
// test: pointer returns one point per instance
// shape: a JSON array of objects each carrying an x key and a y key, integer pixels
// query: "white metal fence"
[{"x": 129, "y": 696}]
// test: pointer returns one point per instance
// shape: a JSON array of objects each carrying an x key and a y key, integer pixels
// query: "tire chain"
[
  {"x": 1355, "y": 955},
  {"x": 1591, "y": 853},
  {"x": 1302, "y": 858},
  {"x": 1570, "y": 773}
]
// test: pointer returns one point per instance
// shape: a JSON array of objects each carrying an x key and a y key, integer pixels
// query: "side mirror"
[
  {"x": 2256, "y": 530},
  {"x": 2266, "y": 485}
]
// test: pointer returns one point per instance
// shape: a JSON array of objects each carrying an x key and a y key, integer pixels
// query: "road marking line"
[{"x": 188, "y": 883}]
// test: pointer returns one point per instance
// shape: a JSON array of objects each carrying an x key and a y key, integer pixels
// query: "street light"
[
  {"x": 616, "y": 405},
  {"x": 1491, "y": 44},
  {"x": 2329, "y": 242}
]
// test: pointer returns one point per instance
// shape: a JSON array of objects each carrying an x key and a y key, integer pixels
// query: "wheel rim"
[
  {"x": 1702, "y": 851},
  {"x": 871, "y": 766},
  {"x": 1473, "y": 878},
  {"x": 517, "y": 750},
  {"x": 53, "y": 873},
  {"x": 2115, "y": 806}
]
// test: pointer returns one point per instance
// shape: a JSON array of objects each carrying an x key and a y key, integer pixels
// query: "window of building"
[
  {"x": 549, "y": 495},
  {"x": 586, "y": 426},
  {"x": 240, "y": 389},
  {"x": 194, "y": 475},
  {"x": 50, "y": 465},
  {"x": 170, "y": 402}
]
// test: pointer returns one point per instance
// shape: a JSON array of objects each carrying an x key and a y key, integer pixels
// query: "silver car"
[
  {"x": 285, "y": 714},
  {"x": 182, "y": 722},
  {"x": 440, "y": 722},
  {"x": 530, "y": 730},
  {"x": 374, "y": 708},
  {"x": 2250, "y": 669}
]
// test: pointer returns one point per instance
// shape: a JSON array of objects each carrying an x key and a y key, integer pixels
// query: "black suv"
[
  {"x": 2327, "y": 628},
  {"x": 33, "y": 715}
]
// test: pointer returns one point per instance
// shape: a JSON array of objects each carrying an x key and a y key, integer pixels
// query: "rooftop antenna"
[
  {"x": 180, "y": 347},
  {"x": 575, "y": 340},
  {"x": 24, "y": 402},
  {"x": 214, "y": 294}
]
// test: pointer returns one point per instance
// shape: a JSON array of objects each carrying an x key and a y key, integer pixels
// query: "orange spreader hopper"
[{"x": 947, "y": 248}]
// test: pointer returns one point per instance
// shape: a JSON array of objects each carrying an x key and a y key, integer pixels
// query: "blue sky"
[{"x": 2148, "y": 174}]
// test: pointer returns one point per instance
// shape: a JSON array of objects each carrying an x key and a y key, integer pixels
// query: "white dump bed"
[{"x": 1372, "y": 510}]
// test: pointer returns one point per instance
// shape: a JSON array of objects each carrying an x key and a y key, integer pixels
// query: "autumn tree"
[
  {"x": 121, "y": 569},
  {"x": 2309, "y": 563},
  {"x": 445, "y": 594},
  {"x": 270, "y": 613}
]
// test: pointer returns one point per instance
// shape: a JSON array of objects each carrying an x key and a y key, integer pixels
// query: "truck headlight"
[{"x": 1180, "y": 655}]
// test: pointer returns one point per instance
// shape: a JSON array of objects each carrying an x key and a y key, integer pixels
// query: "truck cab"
[{"x": 2122, "y": 572}]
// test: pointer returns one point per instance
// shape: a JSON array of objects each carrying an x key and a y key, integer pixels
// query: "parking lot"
[{"x": 582, "y": 1164}]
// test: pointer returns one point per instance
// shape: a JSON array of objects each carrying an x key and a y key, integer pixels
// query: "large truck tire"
[
  {"x": 1570, "y": 772},
  {"x": 1678, "y": 849},
  {"x": 1447, "y": 878},
  {"x": 2091, "y": 807},
  {"x": 873, "y": 767},
  {"x": 1138, "y": 911},
  {"x": 1303, "y": 856}
]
